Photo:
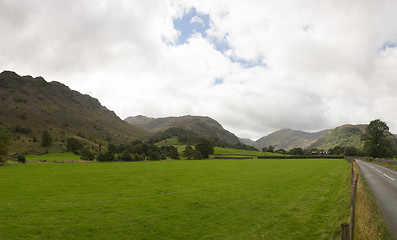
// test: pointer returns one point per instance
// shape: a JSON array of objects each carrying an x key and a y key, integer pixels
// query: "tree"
[
  {"x": 205, "y": 147},
  {"x": 106, "y": 157},
  {"x": 352, "y": 151},
  {"x": 73, "y": 145},
  {"x": 5, "y": 142},
  {"x": 86, "y": 154},
  {"x": 191, "y": 153},
  {"x": 264, "y": 149},
  {"x": 296, "y": 151},
  {"x": 281, "y": 151},
  {"x": 46, "y": 139},
  {"x": 125, "y": 156},
  {"x": 375, "y": 140},
  {"x": 270, "y": 149}
]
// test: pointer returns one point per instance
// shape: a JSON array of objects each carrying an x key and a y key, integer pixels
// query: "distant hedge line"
[{"x": 302, "y": 157}]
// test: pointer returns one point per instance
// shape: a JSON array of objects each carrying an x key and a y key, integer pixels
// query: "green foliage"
[
  {"x": 170, "y": 152},
  {"x": 86, "y": 154},
  {"x": 256, "y": 199},
  {"x": 191, "y": 153},
  {"x": 73, "y": 145},
  {"x": 270, "y": 149},
  {"x": 22, "y": 130},
  {"x": 296, "y": 151},
  {"x": 205, "y": 147},
  {"x": 46, "y": 139},
  {"x": 105, "y": 157},
  {"x": 5, "y": 141},
  {"x": 353, "y": 151},
  {"x": 125, "y": 156},
  {"x": 21, "y": 159},
  {"x": 375, "y": 140},
  {"x": 280, "y": 151},
  {"x": 137, "y": 157}
]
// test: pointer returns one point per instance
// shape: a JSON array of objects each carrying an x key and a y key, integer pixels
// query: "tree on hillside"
[
  {"x": 5, "y": 142},
  {"x": 86, "y": 154},
  {"x": 205, "y": 147},
  {"x": 375, "y": 140},
  {"x": 46, "y": 139},
  {"x": 73, "y": 145}
]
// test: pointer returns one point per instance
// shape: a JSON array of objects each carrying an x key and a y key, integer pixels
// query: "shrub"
[
  {"x": 21, "y": 159},
  {"x": 86, "y": 154},
  {"x": 106, "y": 157}
]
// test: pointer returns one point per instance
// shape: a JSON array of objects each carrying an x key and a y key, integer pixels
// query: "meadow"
[{"x": 202, "y": 199}]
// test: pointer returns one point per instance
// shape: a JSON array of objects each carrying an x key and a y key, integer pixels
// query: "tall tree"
[
  {"x": 205, "y": 147},
  {"x": 375, "y": 140}
]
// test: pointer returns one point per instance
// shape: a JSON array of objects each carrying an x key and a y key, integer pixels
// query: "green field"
[
  {"x": 50, "y": 157},
  {"x": 208, "y": 199}
]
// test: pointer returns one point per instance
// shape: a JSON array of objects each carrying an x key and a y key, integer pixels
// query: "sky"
[{"x": 255, "y": 66}]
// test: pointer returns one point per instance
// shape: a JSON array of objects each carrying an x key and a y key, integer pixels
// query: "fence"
[{"x": 347, "y": 229}]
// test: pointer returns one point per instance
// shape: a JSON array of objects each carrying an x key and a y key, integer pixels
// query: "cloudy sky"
[{"x": 255, "y": 66}]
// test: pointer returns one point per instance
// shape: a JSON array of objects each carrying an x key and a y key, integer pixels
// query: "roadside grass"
[
  {"x": 208, "y": 199},
  {"x": 50, "y": 157},
  {"x": 370, "y": 222}
]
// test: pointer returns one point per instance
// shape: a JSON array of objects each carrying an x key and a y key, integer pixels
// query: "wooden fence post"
[{"x": 344, "y": 233}]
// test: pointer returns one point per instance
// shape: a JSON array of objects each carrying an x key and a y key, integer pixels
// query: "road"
[{"x": 383, "y": 183}]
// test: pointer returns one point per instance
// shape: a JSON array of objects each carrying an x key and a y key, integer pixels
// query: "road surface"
[{"x": 383, "y": 183}]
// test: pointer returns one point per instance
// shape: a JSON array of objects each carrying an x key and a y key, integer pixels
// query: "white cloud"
[{"x": 327, "y": 62}]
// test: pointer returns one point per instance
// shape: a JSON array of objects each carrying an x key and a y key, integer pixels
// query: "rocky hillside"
[
  {"x": 30, "y": 105},
  {"x": 203, "y": 126},
  {"x": 343, "y": 136}
]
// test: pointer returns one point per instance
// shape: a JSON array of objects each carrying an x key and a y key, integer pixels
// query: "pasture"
[{"x": 202, "y": 199}]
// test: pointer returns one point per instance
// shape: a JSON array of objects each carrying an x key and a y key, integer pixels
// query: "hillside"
[
  {"x": 288, "y": 139},
  {"x": 30, "y": 105},
  {"x": 343, "y": 136},
  {"x": 203, "y": 126}
]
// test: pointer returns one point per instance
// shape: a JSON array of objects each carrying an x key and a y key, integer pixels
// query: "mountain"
[
  {"x": 247, "y": 141},
  {"x": 28, "y": 106},
  {"x": 343, "y": 136},
  {"x": 288, "y": 139},
  {"x": 203, "y": 126}
]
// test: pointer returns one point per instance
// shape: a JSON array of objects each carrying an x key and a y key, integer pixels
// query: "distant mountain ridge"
[
  {"x": 203, "y": 126},
  {"x": 288, "y": 139},
  {"x": 35, "y": 105}
]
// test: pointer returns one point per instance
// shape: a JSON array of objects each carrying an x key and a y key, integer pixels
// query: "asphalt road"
[{"x": 383, "y": 183}]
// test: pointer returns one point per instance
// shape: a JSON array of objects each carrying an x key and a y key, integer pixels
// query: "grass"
[
  {"x": 232, "y": 151},
  {"x": 209, "y": 199},
  {"x": 49, "y": 157}
]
